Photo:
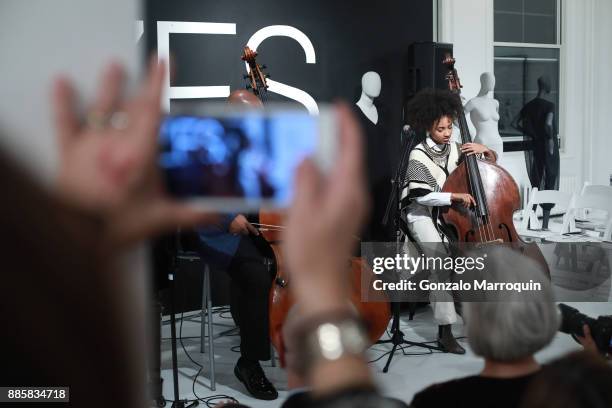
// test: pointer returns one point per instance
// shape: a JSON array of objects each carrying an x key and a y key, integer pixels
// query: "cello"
[
  {"x": 494, "y": 190},
  {"x": 271, "y": 224}
]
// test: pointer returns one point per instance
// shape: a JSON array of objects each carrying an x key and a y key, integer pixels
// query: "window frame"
[{"x": 516, "y": 143}]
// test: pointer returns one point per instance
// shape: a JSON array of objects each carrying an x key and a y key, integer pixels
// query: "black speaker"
[{"x": 425, "y": 68}]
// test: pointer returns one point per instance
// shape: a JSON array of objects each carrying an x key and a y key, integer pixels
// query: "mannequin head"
[
  {"x": 370, "y": 84},
  {"x": 544, "y": 84},
  {"x": 487, "y": 82}
]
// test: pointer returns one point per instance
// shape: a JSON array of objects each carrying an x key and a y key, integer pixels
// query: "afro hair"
[{"x": 430, "y": 105}]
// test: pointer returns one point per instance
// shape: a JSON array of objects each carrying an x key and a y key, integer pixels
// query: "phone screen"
[{"x": 236, "y": 162}]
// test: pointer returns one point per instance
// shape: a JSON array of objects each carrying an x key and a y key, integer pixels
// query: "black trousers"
[{"x": 250, "y": 289}]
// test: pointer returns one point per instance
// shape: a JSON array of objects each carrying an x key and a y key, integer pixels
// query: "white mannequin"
[
  {"x": 370, "y": 89},
  {"x": 484, "y": 113}
]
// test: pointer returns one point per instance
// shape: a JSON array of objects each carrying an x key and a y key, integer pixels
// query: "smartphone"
[{"x": 243, "y": 160}]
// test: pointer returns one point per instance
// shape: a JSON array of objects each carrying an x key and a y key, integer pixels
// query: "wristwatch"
[{"x": 330, "y": 339}]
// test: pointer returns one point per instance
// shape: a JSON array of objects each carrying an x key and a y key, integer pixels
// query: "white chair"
[
  {"x": 603, "y": 191},
  {"x": 530, "y": 223},
  {"x": 571, "y": 247},
  {"x": 596, "y": 189},
  {"x": 591, "y": 202}
]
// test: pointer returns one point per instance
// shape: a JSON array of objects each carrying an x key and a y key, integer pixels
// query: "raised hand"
[
  {"x": 108, "y": 162},
  {"x": 325, "y": 218}
]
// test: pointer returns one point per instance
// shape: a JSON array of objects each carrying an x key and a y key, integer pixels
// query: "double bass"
[
  {"x": 271, "y": 224},
  {"x": 494, "y": 190}
]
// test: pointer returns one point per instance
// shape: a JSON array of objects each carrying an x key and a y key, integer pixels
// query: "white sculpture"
[
  {"x": 484, "y": 113},
  {"x": 370, "y": 89}
]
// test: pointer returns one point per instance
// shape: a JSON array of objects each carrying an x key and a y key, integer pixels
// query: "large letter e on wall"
[{"x": 164, "y": 28}]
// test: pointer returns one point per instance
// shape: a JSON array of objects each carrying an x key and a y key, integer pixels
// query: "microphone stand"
[{"x": 397, "y": 336}]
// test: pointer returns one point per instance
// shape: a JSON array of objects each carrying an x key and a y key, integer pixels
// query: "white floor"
[{"x": 407, "y": 374}]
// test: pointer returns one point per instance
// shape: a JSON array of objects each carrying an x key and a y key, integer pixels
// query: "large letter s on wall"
[{"x": 278, "y": 87}]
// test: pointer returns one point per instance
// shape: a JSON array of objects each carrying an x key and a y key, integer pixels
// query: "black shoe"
[
  {"x": 254, "y": 379},
  {"x": 447, "y": 342}
]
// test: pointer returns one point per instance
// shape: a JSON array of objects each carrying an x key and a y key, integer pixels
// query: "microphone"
[{"x": 406, "y": 132}]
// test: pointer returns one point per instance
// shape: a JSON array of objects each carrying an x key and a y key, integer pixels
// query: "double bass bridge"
[{"x": 492, "y": 242}]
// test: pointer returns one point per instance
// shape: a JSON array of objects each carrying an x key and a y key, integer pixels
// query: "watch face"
[
  {"x": 334, "y": 340},
  {"x": 329, "y": 341}
]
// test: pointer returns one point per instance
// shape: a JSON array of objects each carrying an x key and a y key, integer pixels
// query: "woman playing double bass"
[{"x": 429, "y": 164}]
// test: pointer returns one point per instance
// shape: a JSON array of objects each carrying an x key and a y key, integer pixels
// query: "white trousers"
[{"x": 424, "y": 230}]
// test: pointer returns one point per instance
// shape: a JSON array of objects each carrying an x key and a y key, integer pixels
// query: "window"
[
  {"x": 526, "y": 21},
  {"x": 527, "y": 44}
]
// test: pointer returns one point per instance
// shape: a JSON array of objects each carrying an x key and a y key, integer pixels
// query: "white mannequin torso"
[
  {"x": 484, "y": 114},
  {"x": 370, "y": 89},
  {"x": 366, "y": 104}
]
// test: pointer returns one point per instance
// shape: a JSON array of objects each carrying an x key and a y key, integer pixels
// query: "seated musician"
[
  {"x": 234, "y": 246},
  {"x": 231, "y": 245},
  {"x": 429, "y": 164}
]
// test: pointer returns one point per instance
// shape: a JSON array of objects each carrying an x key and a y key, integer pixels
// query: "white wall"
[
  {"x": 40, "y": 39},
  {"x": 585, "y": 71},
  {"x": 601, "y": 163},
  {"x": 466, "y": 24}
]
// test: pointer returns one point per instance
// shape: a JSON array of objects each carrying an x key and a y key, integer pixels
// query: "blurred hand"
[
  {"x": 240, "y": 225},
  {"x": 587, "y": 341},
  {"x": 108, "y": 165},
  {"x": 324, "y": 220}
]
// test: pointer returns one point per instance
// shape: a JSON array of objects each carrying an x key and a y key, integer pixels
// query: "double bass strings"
[
  {"x": 483, "y": 223},
  {"x": 470, "y": 181}
]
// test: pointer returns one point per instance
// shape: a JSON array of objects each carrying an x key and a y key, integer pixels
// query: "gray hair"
[{"x": 512, "y": 326}]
